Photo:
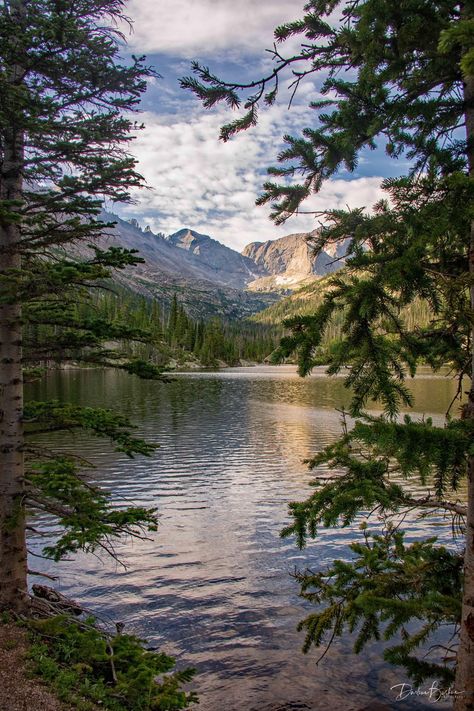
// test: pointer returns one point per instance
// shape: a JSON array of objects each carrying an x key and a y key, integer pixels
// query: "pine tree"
[
  {"x": 400, "y": 75},
  {"x": 63, "y": 138},
  {"x": 172, "y": 320},
  {"x": 65, "y": 94}
]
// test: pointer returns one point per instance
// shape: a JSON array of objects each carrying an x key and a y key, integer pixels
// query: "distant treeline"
[
  {"x": 305, "y": 301},
  {"x": 171, "y": 334},
  {"x": 178, "y": 336}
]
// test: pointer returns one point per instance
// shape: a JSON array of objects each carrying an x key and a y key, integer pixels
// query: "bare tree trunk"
[
  {"x": 464, "y": 683},
  {"x": 13, "y": 564},
  {"x": 13, "y": 556}
]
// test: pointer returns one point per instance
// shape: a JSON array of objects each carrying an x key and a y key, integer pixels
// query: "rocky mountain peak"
[
  {"x": 187, "y": 256},
  {"x": 288, "y": 261},
  {"x": 217, "y": 256}
]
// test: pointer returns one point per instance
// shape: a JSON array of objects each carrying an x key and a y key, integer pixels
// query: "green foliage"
[
  {"x": 83, "y": 511},
  {"x": 71, "y": 105},
  {"x": 141, "y": 335},
  {"x": 308, "y": 299},
  {"x": 214, "y": 340},
  {"x": 57, "y": 484},
  {"x": 387, "y": 588},
  {"x": 52, "y": 415},
  {"x": 173, "y": 333},
  {"x": 67, "y": 100},
  {"x": 387, "y": 69},
  {"x": 419, "y": 448},
  {"x": 460, "y": 37},
  {"x": 86, "y": 667},
  {"x": 144, "y": 369},
  {"x": 413, "y": 249},
  {"x": 364, "y": 461},
  {"x": 61, "y": 321},
  {"x": 396, "y": 75}
]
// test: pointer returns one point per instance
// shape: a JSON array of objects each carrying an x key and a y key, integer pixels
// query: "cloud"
[
  {"x": 199, "y": 182},
  {"x": 195, "y": 180},
  {"x": 188, "y": 27}
]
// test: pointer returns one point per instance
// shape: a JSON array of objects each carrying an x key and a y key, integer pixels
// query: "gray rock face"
[
  {"x": 204, "y": 290},
  {"x": 229, "y": 266},
  {"x": 184, "y": 255},
  {"x": 288, "y": 261},
  {"x": 290, "y": 254},
  {"x": 204, "y": 271},
  {"x": 263, "y": 266}
]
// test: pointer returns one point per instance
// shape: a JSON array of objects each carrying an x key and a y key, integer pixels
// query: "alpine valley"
[{"x": 211, "y": 279}]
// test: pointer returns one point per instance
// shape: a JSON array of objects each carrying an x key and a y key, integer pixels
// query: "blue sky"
[{"x": 194, "y": 179}]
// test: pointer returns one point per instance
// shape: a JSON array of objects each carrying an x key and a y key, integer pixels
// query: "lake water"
[{"x": 213, "y": 587}]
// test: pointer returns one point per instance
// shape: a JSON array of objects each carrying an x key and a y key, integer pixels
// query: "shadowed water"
[{"x": 213, "y": 586}]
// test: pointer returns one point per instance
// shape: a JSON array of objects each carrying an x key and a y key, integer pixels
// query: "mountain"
[
  {"x": 210, "y": 278},
  {"x": 287, "y": 262},
  {"x": 228, "y": 266},
  {"x": 202, "y": 288},
  {"x": 163, "y": 254}
]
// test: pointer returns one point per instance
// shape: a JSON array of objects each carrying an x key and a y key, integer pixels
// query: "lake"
[{"x": 213, "y": 587}]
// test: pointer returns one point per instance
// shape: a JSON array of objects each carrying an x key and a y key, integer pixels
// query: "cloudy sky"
[{"x": 194, "y": 179}]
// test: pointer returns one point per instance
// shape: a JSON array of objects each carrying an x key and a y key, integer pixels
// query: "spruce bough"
[
  {"x": 63, "y": 140},
  {"x": 398, "y": 75},
  {"x": 66, "y": 119}
]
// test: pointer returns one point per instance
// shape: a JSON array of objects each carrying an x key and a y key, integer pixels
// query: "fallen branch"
[{"x": 43, "y": 575}]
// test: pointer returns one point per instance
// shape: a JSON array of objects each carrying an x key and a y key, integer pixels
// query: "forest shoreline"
[{"x": 22, "y": 690}]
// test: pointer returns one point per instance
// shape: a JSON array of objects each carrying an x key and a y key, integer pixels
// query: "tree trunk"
[
  {"x": 464, "y": 683},
  {"x": 13, "y": 564},
  {"x": 13, "y": 556}
]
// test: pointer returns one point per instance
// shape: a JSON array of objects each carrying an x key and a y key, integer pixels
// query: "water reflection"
[{"x": 214, "y": 585}]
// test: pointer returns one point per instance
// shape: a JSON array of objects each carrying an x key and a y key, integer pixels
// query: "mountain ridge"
[
  {"x": 215, "y": 255},
  {"x": 289, "y": 257},
  {"x": 289, "y": 261},
  {"x": 211, "y": 276}
]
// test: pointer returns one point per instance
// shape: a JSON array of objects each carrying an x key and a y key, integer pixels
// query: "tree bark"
[
  {"x": 13, "y": 564},
  {"x": 13, "y": 555},
  {"x": 464, "y": 682}
]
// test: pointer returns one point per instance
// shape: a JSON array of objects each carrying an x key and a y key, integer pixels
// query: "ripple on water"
[{"x": 213, "y": 586}]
